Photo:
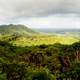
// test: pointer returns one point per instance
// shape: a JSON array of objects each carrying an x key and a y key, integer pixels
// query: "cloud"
[
  {"x": 14, "y": 9},
  {"x": 54, "y": 21}
]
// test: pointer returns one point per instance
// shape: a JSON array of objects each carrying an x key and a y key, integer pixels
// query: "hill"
[
  {"x": 16, "y": 29},
  {"x": 21, "y": 35}
]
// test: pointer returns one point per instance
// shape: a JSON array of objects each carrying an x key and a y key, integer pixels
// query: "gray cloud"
[{"x": 36, "y": 8}]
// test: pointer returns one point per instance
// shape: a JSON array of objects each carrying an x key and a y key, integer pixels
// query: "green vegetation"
[
  {"x": 16, "y": 30},
  {"x": 39, "y": 57},
  {"x": 41, "y": 62},
  {"x": 38, "y": 39}
]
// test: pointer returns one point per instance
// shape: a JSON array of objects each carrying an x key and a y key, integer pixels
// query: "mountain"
[{"x": 16, "y": 29}]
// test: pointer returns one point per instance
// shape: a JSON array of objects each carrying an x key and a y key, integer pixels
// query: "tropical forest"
[{"x": 27, "y": 54}]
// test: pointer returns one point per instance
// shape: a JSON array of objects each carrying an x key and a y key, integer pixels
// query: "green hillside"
[
  {"x": 21, "y": 35},
  {"x": 15, "y": 29},
  {"x": 28, "y": 55}
]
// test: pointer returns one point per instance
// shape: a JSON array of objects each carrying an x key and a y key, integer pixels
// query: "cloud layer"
[{"x": 37, "y": 8}]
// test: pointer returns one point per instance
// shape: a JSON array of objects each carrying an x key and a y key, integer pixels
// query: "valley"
[{"x": 27, "y": 54}]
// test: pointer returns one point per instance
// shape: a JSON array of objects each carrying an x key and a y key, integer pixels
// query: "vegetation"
[
  {"x": 39, "y": 62},
  {"x": 39, "y": 57},
  {"x": 16, "y": 30}
]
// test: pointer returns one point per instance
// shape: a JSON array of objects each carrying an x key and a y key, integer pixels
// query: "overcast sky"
[{"x": 41, "y": 13}]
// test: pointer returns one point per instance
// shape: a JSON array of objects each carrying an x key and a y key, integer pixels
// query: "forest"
[
  {"x": 38, "y": 56},
  {"x": 39, "y": 62}
]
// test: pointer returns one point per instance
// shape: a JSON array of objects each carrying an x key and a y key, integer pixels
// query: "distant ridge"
[
  {"x": 16, "y": 29},
  {"x": 55, "y": 30}
]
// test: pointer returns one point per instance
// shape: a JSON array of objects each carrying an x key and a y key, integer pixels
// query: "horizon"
[{"x": 43, "y": 27}]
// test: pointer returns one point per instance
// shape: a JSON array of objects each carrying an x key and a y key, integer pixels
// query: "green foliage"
[
  {"x": 43, "y": 61},
  {"x": 2, "y": 76},
  {"x": 39, "y": 74},
  {"x": 16, "y": 30}
]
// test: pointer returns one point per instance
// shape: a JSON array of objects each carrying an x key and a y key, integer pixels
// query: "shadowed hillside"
[{"x": 16, "y": 29}]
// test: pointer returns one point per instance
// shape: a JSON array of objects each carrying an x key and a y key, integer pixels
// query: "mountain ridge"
[{"x": 16, "y": 29}]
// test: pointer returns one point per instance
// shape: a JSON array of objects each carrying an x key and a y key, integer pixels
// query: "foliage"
[{"x": 38, "y": 61}]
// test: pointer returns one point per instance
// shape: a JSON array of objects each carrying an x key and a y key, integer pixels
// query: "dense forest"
[
  {"x": 38, "y": 57},
  {"x": 42, "y": 62}
]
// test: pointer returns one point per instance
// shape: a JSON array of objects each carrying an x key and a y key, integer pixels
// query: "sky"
[{"x": 41, "y": 13}]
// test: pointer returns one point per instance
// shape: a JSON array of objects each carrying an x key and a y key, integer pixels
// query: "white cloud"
[
  {"x": 54, "y": 21},
  {"x": 34, "y": 8},
  {"x": 38, "y": 12}
]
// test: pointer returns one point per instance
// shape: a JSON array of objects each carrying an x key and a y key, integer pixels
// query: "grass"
[{"x": 39, "y": 39}]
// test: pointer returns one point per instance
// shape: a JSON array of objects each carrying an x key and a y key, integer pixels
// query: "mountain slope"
[{"x": 16, "y": 29}]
